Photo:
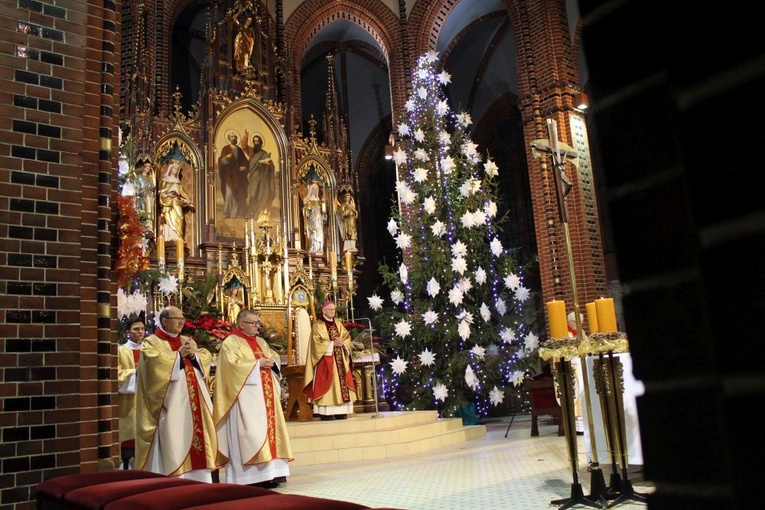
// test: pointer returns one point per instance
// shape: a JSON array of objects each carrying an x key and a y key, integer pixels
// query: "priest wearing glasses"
[
  {"x": 248, "y": 409},
  {"x": 175, "y": 431}
]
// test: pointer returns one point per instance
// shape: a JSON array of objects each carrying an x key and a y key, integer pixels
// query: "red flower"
[
  {"x": 207, "y": 322},
  {"x": 353, "y": 325},
  {"x": 220, "y": 334}
]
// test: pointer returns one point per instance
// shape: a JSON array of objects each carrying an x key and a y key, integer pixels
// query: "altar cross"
[{"x": 560, "y": 153}]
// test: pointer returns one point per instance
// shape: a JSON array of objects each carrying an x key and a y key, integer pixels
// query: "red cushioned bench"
[
  {"x": 179, "y": 498},
  {"x": 282, "y": 502},
  {"x": 50, "y": 493},
  {"x": 143, "y": 490},
  {"x": 95, "y": 497}
]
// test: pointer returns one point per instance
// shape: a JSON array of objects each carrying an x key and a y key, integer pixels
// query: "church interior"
[{"x": 220, "y": 155}]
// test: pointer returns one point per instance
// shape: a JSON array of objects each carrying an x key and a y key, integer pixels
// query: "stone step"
[{"x": 366, "y": 437}]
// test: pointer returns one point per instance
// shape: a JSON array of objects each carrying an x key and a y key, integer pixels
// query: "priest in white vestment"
[
  {"x": 247, "y": 407},
  {"x": 128, "y": 355}
]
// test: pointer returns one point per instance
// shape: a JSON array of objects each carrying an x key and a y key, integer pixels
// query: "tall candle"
[
  {"x": 592, "y": 318},
  {"x": 349, "y": 262},
  {"x": 556, "y": 318},
  {"x": 160, "y": 247},
  {"x": 179, "y": 250},
  {"x": 606, "y": 315},
  {"x": 333, "y": 264}
]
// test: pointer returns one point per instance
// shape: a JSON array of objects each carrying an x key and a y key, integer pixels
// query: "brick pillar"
[
  {"x": 57, "y": 88},
  {"x": 547, "y": 77}
]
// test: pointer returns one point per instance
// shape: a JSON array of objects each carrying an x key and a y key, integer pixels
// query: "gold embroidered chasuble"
[
  {"x": 328, "y": 379},
  {"x": 175, "y": 431},
  {"x": 258, "y": 421}
]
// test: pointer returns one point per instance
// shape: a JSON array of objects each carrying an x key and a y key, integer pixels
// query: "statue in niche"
[
  {"x": 145, "y": 195},
  {"x": 348, "y": 218},
  {"x": 234, "y": 304},
  {"x": 175, "y": 202},
  {"x": 244, "y": 41},
  {"x": 314, "y": 216}
]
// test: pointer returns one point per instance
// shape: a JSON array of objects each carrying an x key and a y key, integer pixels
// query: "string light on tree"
[{"x": 456, "y": 293}]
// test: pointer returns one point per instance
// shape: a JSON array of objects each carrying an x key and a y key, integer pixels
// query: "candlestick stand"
[
  {"x": 563, "y": 374},
  {"x": 374, "y": 368},
  {"x": 559, "y": 154},
  {"x": 613, "y": 370},
  {"x": 604, "y": 387}
]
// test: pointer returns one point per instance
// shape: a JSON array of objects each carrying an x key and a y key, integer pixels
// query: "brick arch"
[
  {"x": 374, "y": 17},
  {"x": 425, "y": 24}
]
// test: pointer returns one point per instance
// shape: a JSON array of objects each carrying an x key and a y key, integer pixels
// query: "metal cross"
[{"x": 560, "y": 153}]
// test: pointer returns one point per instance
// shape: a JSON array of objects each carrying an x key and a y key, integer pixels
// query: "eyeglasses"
[
  {"x": 175, "y": 318},
  {"x": 250, "y": 322}
]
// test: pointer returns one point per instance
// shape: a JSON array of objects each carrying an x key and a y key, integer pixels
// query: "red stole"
[
  {"x": 268, "y": 388},
  {"x": 136, "y": 355},
  {"x": 197, "y": 449}
]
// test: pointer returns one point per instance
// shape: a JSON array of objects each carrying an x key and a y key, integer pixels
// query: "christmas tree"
[{"x": 457, "y": 328}]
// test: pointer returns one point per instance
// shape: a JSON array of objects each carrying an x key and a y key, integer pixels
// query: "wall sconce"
[
  {"x": 581, "y": 102},
  {"x": 389, "y": 147}
]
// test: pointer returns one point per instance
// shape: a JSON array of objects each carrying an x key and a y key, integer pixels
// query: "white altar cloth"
[{"x": 632, "y": 389}]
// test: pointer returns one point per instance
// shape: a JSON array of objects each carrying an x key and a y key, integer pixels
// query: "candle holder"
[
  {"x": 564, "y": 379},
  {"x": 264, "y": 259},
  {"x": 560, "y": 153},
  {"x": 609, "y": 382},
  {"x": 348, "y": 262},
  {"x": 181, "y": 278}
]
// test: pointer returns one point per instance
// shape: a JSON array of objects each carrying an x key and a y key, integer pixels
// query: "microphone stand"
[{"x": 374, "y": 370}]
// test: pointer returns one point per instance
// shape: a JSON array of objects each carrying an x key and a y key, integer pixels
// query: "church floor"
[{"x": 494, "y": 472}]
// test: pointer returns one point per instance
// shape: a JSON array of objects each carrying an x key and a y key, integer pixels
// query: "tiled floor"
[{"x": 517, "y": 472}]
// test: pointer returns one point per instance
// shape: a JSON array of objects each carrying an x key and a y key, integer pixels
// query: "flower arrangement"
[
  {"x": 208, "y": 331},
  {"x": 130, "y": 256}
]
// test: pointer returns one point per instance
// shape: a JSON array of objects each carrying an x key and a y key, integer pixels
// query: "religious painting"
[{"x": 247, "y": 166}]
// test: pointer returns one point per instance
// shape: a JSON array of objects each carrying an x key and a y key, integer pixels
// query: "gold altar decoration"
[
  {"x": 570, "y": 347},
  {"x": 265, "y": 260},
  {"x": 559, "y": 348},
  {"x": 615, "y": 342}
]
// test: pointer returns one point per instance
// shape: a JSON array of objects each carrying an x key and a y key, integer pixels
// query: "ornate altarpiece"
[{"x": 247, "y": 176}]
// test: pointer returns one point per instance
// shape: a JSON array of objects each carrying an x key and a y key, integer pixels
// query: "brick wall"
[
  {"x": 547, "y": 72},
  {"x": 58, "y": 69}
]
